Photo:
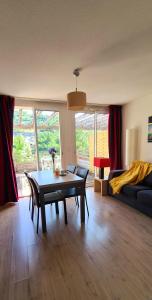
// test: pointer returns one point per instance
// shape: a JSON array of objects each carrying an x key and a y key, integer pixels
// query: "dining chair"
[
  {"x": 71, "y": 168},
  {"x": 75, "y": 192},
  {"x": 49, "y": 198},
  {"x": 31, "y": 195},
  {"x": 83, "y": 173}
]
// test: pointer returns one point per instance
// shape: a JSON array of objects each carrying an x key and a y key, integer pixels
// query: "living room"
[{"x": 75, "y": 145}]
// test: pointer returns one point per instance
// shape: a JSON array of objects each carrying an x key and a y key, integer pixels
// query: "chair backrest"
[
  {"x": 27, "y": 176},
  {"x": 82, "y": 172},
  {"x": 71, "y": 168},
  {"x": 35, "y": 192}
]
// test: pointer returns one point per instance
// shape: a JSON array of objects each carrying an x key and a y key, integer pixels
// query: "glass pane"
[
  {"x": 84, "y": 124},
  {"x": 48, "y": 136},
  {"x": 24, "y": 148},
  {"x": 102, "y": 138}
]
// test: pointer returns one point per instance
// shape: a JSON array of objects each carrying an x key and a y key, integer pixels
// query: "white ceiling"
[{"x": 42, "y": 41}]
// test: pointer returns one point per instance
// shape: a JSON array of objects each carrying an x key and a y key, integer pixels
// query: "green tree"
[
  {"x": 48, "y": 139},
  {"x": 82, "y": 141},
  {"x": 21, "y": 149}
]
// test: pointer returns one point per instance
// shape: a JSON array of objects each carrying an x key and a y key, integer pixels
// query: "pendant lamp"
[{"x": 76, "y": 100}]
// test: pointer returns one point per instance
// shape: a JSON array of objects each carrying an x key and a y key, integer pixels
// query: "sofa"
[{"x": 138, "y": 196}]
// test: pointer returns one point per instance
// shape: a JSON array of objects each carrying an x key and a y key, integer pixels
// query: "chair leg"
[
  {"x": 57, "y": 208},
  {"x": 32, "y": 213},
  {"x": 78, "y": 201},
  {"x": 30, "y": 202},
  {"x": 37, "y": 229},
  {"x": 86, "y": 204},
  {"x": 65, "y": 212}
]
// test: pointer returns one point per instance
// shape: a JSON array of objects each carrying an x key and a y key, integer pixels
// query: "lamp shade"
[
  {"x": 76, "y": 100},
  {"x": 101, "y": 162}
]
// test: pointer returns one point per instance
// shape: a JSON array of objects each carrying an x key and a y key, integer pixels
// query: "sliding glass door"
[
  {"x": 85, "y": 141},
  {"x": 24, "y": 146},
  {"x": 35, "y": 131},
  {"x": 48, "y": 136},
  {"x": 91, "y": 132},
  {"x": 102, "y": 138}
]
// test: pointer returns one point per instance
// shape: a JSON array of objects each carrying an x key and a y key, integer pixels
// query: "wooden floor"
[{"x": 110, "y": 258}]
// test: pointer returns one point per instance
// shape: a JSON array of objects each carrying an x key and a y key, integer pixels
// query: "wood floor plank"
[
  {"x": 108, "y": 258},
  {"x": 20, "y": 290}
]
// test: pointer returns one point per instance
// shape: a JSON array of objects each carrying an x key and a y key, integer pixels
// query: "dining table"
[{"x": 47, "y": 182}]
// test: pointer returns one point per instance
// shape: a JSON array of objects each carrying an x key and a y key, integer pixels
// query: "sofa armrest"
[
  {"x": 115, "y": 173},
  {"x": 112, "y": 174}
]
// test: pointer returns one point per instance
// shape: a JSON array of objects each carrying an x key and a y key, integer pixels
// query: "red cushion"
[{"x": 101, "y": 162}]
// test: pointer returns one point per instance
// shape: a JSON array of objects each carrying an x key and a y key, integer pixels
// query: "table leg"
[
  {"x": 82, "y": 208},
  {"x": 57, "y": 208},
  {"x": 43, "y": 216}
]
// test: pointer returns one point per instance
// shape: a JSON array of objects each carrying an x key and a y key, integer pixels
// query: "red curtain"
[
  {"x": 8, "y": 185},
  {"x": 115, "y": 136}
]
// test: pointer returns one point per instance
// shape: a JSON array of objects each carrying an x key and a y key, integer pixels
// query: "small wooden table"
[
  {"x": 101, "y": 186},
  {"x": 47, "y": 182}
]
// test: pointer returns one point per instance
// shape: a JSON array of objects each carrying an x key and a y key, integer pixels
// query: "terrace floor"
[{"x": 109, "y": 258}]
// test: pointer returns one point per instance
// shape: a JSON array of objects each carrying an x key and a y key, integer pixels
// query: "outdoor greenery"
[
  {"x": 22, "y": 151},
  {"x": 48, "y": 139},
  {"x": 82, "y": 140},
  {"x": 24, "y": 117},
  {"x": 48, "y": 134},
  {"x": 47, "y": 120}
]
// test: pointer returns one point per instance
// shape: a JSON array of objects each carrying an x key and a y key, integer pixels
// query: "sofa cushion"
[
  {"x": 132, "y": 190},
  {"x": 148, "y": 180},
  {"x": 145, "y": 197}
]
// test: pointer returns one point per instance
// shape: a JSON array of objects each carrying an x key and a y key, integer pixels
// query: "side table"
[{"x": 101, "y": 186}]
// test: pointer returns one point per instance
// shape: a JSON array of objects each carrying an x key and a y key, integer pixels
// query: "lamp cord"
[{"x": 76, "y": 82}]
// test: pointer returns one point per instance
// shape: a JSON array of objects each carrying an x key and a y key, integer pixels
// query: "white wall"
[
  {"x": 135, "y": 115},
  {"x": 67, "y": 126}
]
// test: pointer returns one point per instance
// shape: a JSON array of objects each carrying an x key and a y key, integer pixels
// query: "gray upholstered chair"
[
  {"x": 71, "y": 168},
  {"x": 54, "y": 197}
]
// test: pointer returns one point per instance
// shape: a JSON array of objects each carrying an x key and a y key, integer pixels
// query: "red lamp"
[{"x": 101, "y": 163}]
